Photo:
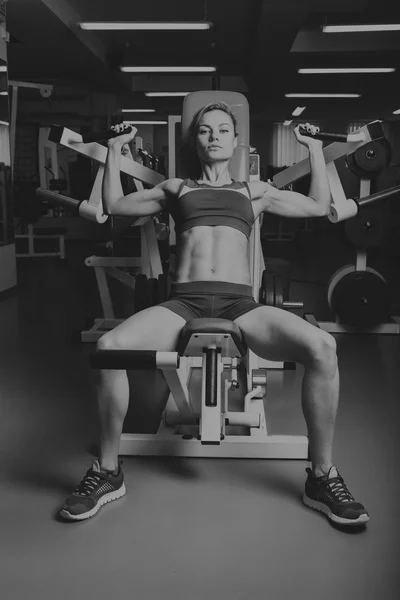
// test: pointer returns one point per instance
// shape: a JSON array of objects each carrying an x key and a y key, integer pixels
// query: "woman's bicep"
[
  {"x": 142, "y": 203},
  {"x": 285, "y": 203}
]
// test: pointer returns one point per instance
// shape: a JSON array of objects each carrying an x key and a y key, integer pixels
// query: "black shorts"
[{"x": 210, "y": 299}]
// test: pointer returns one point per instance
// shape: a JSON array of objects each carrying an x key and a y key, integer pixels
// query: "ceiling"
[{"x": 257, "y": 45}]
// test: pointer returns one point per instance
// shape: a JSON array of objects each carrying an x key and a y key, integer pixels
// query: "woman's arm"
[
  {"x": 286, "y": 203},
  {"x": 141, "y": 203}
]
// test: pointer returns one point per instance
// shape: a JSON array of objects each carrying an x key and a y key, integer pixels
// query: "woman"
[{"x": 213, "y": 219}]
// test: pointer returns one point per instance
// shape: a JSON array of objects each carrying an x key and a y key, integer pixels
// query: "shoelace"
[
  {"x": 339, "y": 489},
  {"x": 88, "y": 483}
]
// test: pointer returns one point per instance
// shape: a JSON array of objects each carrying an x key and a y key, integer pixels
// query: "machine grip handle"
[
  {"x": 99, "y": 136},
  {"x": 333, "y": 137}
]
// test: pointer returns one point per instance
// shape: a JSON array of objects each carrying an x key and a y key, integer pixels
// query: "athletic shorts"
[{"x": 210, "y": 299}]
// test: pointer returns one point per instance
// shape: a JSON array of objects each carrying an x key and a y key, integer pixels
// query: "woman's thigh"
[
  {"x": 278, "y": 335},
  {"x": 154, "y": 328}
]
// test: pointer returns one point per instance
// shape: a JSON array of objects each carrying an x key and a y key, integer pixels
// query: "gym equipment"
[
  {"x": 357, "y": 294},
  {"x": 368, "y": 229},
  {"x": 199, "y": 419},
  {"x": 359, "y": 297},
  {"x": 370, "y": 159},
  {"x": 206, "y": 425},
  {"x": 271, "y": 292},
  {"x": 43, "y": 228},
  {"x": 149, "y": 263},
  {"x": 101, "y": 136}
]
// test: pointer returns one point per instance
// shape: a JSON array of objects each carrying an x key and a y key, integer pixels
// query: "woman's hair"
[{"x": 189, "y": 158}]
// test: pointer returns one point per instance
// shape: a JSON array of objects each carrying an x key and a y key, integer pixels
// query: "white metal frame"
[
  {"x": 195, "y": 431},
  {"x": 149, "y": 262}
]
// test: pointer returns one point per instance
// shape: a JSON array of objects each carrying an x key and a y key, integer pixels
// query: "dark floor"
[{"x": 188, "y": 529}]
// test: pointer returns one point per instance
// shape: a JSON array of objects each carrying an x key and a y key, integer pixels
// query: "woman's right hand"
[{"x": 122, "y": 138}]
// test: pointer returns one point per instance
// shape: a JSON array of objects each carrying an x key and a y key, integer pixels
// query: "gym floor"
[{"x": 194, "y": 528}]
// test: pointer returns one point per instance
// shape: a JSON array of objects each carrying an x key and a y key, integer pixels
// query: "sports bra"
[{"x": 201, "y": 204}]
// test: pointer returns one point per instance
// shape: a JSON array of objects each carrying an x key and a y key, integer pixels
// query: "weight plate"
[
  {"x": 361, "y": 299},
  {"x": 278, "y": 292},
  {"x": 267, "y": 289},
  {"x": 336, "y": 277},
  {"x": 368, "y": 229},
  {"x": 370, "y": 159}
]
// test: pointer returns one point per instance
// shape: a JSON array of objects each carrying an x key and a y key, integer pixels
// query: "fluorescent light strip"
[
  {"x": 396, "y": 112},
  {"x": 297, "y": 111},
  {"x": 360, "y": 28},
  {"x": 146, "y": 122},
  {"x": 3, "y": 69},
  {"x": 323, "y": 95},
  {"x": 139, "y": 110},
  {"x": 168, "y": 69},
  {"x": 286, "y": 123},
  {"x": 3, "y": 93},
  {"x": 162, "y": 94},
  {"x": 347, "y": 70},
  {"x": 145, "y": 25},
  {"x": 5, "y": 123}
]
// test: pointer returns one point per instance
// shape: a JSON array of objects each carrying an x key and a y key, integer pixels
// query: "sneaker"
[
  {"x": 95, "y": 489},
  {"x": 330, "y": 495}
]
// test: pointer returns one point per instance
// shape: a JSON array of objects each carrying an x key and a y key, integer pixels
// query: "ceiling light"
[
  {"x": 145, "y": 26},
  {"x": 3, "y": 93},
  {"x": 286, "y": 123},
  {"x": 359, "y": 28},
  {"x": 168, "y": 69},
  {"x": 139, "y": 110},
  {"x": 396, "y": 112},
  {"x": 161, "y": 94},
  {"x": 146, "y": 122},
  {"x": 3, "y": 69},
  {"x": 347, "y": 70},
  {"x": 323, "y": 95},
  {"x": 297, "y": 111}
]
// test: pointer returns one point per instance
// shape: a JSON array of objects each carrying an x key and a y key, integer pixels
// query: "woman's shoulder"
[{"x": 173, "y": 186}]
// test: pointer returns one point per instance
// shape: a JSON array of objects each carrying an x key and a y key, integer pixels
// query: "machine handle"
[
  {"x": 334, "y": 137},
  {"x": 99, "y": 136}
]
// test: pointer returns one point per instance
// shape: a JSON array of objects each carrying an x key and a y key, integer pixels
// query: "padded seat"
[{"x": 221, "y": 332}]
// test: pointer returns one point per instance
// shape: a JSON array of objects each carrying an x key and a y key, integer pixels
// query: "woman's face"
[{"x": 215, "y": 138}]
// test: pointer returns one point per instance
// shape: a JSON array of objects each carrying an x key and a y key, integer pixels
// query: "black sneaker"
[
  {"x": 95, "y": 489},
  {"x": 329, "y": 495}
]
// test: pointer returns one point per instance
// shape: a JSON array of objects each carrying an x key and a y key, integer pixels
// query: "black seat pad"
[{"x": 222, "y": 326}]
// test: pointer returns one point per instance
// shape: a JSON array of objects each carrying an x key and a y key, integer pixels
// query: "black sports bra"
[{"x": 201, "y": 204}]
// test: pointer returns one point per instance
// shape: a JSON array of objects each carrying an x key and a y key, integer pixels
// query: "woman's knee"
[
  {"x": 323, "y": 350},
  {"x": 109, "y": 341}
]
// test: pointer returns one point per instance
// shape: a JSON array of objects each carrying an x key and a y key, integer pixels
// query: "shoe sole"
[
  {"x": 362, "y": 519},
  {"x": 103, "y": 500}
]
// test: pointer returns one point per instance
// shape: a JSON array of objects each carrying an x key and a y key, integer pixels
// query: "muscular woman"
[{"x": 213, "y": 220}]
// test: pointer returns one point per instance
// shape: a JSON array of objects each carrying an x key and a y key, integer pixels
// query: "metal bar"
[
  {"x": 170, "y": 444},
  {"x": 331, "y": 153},
  {"x": 97, "y": 152}
]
